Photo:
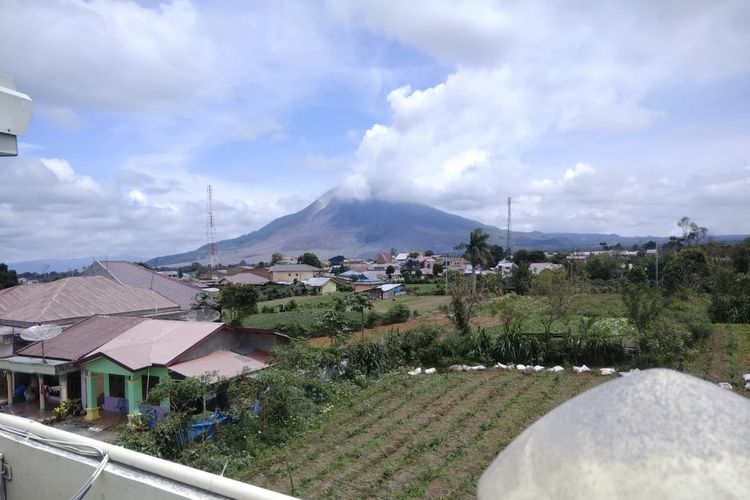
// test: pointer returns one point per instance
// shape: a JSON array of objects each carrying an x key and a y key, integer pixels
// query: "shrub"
[
  {"x": 373, "y": 319},
  {"x": 398, "y": 313}
]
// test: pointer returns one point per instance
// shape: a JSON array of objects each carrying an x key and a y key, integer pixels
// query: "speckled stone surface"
[{"x": 654, "y": 434}]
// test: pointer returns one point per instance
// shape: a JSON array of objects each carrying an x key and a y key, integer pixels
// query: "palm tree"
[{"x": 477, "y": 252}]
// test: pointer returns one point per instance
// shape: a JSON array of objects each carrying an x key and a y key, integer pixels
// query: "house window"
[{"x": 117, "y": 386}]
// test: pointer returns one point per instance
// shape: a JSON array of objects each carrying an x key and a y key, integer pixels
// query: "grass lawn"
[
  {"x": 409, "y": 437},
  {"x": 422, "y": 303}
]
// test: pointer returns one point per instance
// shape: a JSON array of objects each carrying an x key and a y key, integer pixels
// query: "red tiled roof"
[
  {"x": 154, "y": 342},
  {"x": 222, "y": 364}
]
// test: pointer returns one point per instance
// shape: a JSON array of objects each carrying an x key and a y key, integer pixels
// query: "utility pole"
[
  {"x": 507, "y": 236},
  {"x": 657, "y": 265}
]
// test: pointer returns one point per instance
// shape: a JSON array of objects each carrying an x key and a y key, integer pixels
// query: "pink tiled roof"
[
  {"x": 154, "y": 342},
  {"x": 223, "y": 364},
  {"x": 68, "y": 299}
]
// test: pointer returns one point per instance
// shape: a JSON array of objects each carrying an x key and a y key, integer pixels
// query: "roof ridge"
[{"x": 54, "y": 297}]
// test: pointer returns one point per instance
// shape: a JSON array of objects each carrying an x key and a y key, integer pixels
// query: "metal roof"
[
  {"x": 316, "y": 281},
  {"x": 82, "y": 338},
  {"x": 390, "y": 286},
  {"x": 68, "y": 299},
  {"x": 222, "y": 364},
  {"x": 246, "y": 279},
  {"x": 285, "y": 268},
  {"x": 128, "y": 273},
  {"x": 154, "y": 342}
]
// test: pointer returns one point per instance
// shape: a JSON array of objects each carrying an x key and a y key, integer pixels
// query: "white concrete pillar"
[
  {"x": 11, "y": 389},
  {"x": 42, "y": 400}
]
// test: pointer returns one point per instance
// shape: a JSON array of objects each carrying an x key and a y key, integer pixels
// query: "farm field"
[
  {"x": 432, "y": 436},
  {"x": 724, "y": 356},
  {"x": 408, "y": 437}
]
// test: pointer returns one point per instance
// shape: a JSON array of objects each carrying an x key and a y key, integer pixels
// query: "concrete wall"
[{"x": 42, "y": 471}]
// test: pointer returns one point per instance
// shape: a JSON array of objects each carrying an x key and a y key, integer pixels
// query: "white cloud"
[
  {"x": 528, "y": 74},
  {"x": 66, "y": 214}
]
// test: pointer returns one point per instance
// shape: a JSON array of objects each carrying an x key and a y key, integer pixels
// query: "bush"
[
  {"x": 373, "y": 319},
  {"x": 398, "y": 313}
]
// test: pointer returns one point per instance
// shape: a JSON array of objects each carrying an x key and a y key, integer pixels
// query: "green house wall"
[{"x": 133, "y": 381}]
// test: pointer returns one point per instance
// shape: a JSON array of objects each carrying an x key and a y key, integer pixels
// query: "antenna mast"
[
  {"x": 507, "y": 237},
  {"x": 211, "y": 258}
]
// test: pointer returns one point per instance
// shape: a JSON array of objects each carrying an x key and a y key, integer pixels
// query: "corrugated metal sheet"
[
  {"x": 78, "y": 297},
  {"x": 82, "y": 338},
  {"x": 223, "y": 364},
  {"x": 127, "y": 273},
  {"x": 246, "y": 279},
  {"x": 154, "y": 342}
]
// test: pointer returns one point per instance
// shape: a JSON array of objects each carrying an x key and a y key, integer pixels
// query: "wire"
[
  {"x": 87, "y": 485},
  {"x": 80, "y": 448}
]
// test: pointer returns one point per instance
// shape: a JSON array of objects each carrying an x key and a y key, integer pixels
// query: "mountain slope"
[{"x": 332, "y": 226}]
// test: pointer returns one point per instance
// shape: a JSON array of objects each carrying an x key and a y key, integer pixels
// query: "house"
[
  {"x": 387, "y": 291},
  {"x": 538, "y": 267},
  {"x": 53, "y": 364},
  {"x": 454, "y": 263},
  {"x": 246, "y": 278},
  {"x": 123, "y": 369},
  {"x": 69, "y": 300},
  {"x": 288, "y": 272},
  {"x": 384, "y": 258},
  {"x": 505, "y": 267},
  {"x": 127, "y": 273},
  {"x": 402, "y": 257},
  {"x": 320, "y": 286}
]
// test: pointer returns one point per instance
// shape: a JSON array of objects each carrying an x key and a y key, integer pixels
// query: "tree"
[
  {"x": 557, "y": 292},
  {"x": 520, "y": 278},
  {"x": 437, "y": 269},
  {"x": 429, "y": 253},
  {"x": 310, "y": 259},
  {"x": 359, "y": 302},
  {"x": 601, "y": 267},
  {"x": 529, "y": 256},
  {"x": 741, "y": 256},
  {"x": 463, "y": 299},
  {"x": 8, "y": 277},
  {"x": 238, "y": 301},
  {"x": 334, "y": 323},
  {"x": 389, "y": 271},
  {"x": 337, "y": 260},
  {"x": 477, "y": 252},
  {"x": 692, "y": 234},
  {"x": 643, "y": 305},
  {"x": 276, "y": 258},
  {"x": 497, "y": 253},
  {"x": 686, "y": 269}
]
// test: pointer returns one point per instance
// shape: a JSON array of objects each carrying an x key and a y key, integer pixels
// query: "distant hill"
[
  {"x": 361, "y": 228},
  {"x": 64, "y": 265}
]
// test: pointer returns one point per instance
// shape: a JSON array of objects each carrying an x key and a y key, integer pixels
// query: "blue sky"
[{"x": 617, "y": 116}]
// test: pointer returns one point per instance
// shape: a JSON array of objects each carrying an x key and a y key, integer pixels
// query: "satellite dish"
[
  {"x": 41, "y": 332},
  {"x": 203, "y": 315}
]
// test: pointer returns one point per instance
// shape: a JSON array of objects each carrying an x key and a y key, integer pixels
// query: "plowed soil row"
[{"x": 430, "y": 435}]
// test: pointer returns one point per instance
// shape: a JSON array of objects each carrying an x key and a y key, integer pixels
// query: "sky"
[{"x": 594, "y": 116}]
